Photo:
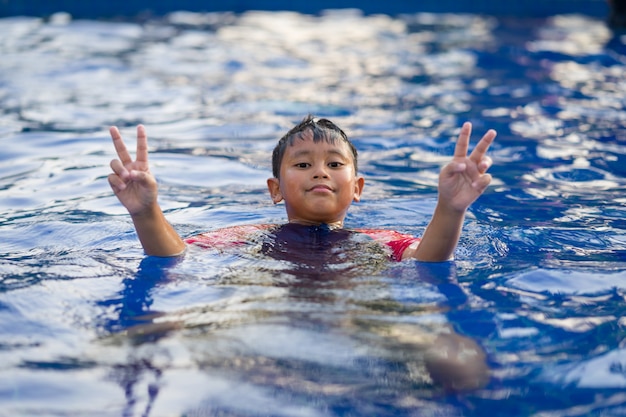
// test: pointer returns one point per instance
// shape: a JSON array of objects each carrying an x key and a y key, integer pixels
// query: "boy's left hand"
[{"x": 464, "y": 179}]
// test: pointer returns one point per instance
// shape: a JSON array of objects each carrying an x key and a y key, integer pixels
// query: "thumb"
[
  {"x": 452, "y": 168},
  {"x": 142, "y": 177}
]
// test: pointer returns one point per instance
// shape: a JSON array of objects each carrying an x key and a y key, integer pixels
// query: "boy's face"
[{"x": 317, "y": 181}]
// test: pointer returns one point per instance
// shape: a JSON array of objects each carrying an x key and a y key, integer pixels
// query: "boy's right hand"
[{"x": 131, "y": 181}]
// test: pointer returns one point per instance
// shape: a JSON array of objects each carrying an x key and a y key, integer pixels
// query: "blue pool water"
[{"x": 90, "y": 327}]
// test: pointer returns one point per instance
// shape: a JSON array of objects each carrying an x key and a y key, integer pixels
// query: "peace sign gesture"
[
  {"x": 131, "y": 181},
  {"x": 464, "y": 178},
  {"x": 461, "y": 182}
]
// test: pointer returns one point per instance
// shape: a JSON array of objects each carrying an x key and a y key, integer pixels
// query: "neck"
[{"x": 333, "y": 225}]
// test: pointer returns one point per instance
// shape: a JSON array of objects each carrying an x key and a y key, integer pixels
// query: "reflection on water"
[
  {"x": 307, "y": 341},
  {"x": 539, "y": 276}
]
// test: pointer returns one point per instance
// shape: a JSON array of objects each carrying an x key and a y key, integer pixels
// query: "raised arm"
[
  {"x": 136, "y": 188},
  {"x": 461, "y": 182}
]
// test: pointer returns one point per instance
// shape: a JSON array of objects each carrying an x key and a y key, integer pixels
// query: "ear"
[
  {"x": 273, "y": 185},
  {"x": 358, "y": 188}
]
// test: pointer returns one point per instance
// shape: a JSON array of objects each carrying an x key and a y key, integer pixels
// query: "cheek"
[
  {"x": 350, "y": 188},
  {"x": 288, "y": 183}
]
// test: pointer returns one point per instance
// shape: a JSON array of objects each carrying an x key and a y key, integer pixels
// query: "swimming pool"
[{"x": 90, "y": 327}]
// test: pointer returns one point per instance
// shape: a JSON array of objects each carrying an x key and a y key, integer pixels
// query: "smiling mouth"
[{"x": 321, "y": 188}]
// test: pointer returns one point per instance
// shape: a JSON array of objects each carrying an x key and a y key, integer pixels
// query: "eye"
[
  {"x": 302, "y": 165},
  {"x": 335, "y": 164}
]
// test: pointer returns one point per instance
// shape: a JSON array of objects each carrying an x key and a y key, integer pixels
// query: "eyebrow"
[{"x": 305, "y": 152}]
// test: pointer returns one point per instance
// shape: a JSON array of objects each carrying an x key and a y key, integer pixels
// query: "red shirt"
[{"x": 239, "y": 235}]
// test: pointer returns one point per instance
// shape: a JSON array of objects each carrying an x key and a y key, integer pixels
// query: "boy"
[{"x": 315, "y": 174}]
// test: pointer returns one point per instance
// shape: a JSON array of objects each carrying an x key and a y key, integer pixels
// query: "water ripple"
[{"x": 539, "y": 273}]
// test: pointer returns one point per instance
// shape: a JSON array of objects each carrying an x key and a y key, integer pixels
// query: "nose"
[{"x": 320, "y": 171}]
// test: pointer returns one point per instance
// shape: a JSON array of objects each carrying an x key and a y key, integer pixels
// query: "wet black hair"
[{"x": 323, "y": 129}]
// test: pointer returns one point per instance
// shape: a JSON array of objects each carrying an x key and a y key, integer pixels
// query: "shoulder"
[
  {"x": 228, "y": 236},
  {"x": 383, "y": 235},
  {"x": 396, "y": 241}
]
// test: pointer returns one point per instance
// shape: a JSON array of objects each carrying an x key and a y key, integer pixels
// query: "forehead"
[{"x": 305, "y": 142}]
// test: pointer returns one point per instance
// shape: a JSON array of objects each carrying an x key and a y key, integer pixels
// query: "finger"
[
  {"x": 142, "y": 145},
  {"x": 483, "y": 146},
  {"x": 462, "y": 143},
  {"x": 140, "y": 176},
  {"x": 485, "y": 164},
  {"x": 482, "y": 183},
  {"x": 116, "y": 183},
  {"x": 119, "y": 169},
  {"x": 120, "y": 147},
  {"x": 452, "y": 169},
  {"x": 144, "y": 179}
]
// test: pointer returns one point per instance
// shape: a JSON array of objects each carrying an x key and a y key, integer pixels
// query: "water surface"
[{"x": 90, "y": 327}]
